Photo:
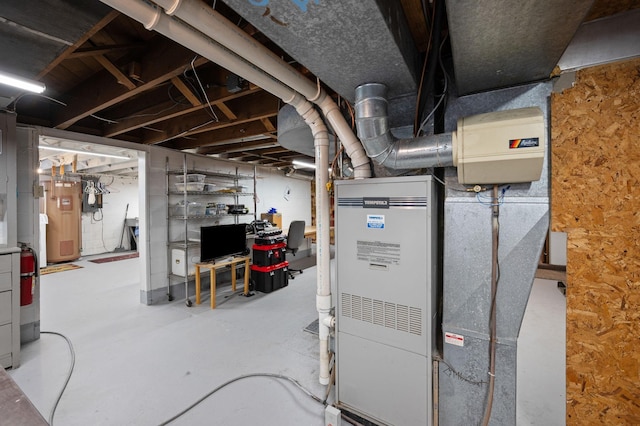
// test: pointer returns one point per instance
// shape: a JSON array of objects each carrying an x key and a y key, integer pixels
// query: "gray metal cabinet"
[{"x": 10, "y": 307}]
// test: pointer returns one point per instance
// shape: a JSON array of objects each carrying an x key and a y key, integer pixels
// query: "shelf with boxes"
[{"x": 197, "y": 198}]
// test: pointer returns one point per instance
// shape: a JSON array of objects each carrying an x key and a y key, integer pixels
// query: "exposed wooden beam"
[
  {"x": 226, "y": 144},
  {"x": 115, "y": 71},
  {"x": 417, "y": 23},
  {"x": 154, "y": 114},
  {"x": 275, "y": 150},
  {"x": 219, "y": 137},
  {"x": 164, "y": 60},
  {"x": 236, "y": 147},
  {"x": 259, "y": 106},
  {"x": 69, "y": 50},
  {"x": 268, "y": 125},
  {"x": 102, "y": 50},
  {"x": 186, "y": 92},
  {"x": 226, "y": 110}
]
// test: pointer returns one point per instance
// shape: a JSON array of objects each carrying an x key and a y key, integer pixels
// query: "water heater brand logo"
[{"x": 375, "y": 203}]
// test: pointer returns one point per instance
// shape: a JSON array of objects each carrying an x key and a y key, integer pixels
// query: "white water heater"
[{"x": 386, "y": 298}]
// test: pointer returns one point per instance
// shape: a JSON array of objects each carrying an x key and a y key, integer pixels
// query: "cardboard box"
[{"x": 275, "y": 218}]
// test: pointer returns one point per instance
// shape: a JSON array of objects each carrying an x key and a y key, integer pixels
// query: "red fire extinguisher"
[{"x": 28, "y": 274}]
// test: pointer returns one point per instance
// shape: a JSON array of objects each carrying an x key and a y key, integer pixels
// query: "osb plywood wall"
[{"x": 596, "y": 200}]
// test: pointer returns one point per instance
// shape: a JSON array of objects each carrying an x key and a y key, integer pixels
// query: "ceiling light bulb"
[
  {"x": 21, "y": 83},
  {"x": 77, "y": 151}
]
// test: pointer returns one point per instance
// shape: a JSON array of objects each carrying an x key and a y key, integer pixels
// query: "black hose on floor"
[
  {"x": 245, "y": 376},
  {"x": 66, "y": 382}
]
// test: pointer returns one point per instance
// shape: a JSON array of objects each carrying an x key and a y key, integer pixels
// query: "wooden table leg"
[
  {"x": 213, "y": 288},
  {"x": 197, "y": 285},
  {"x": 246, "y": 277},
  {"x": 233, "y": 276}
]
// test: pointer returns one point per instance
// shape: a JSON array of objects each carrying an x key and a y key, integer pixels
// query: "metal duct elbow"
[{"x": 382, "y": 147}]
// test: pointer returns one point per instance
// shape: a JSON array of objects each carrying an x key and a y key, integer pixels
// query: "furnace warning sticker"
[
  {"x": 453, "y": 339},
  {"x": 524, "y": 143},
  {"x": 375, "y": 221},
  {"x": 378, "y": 252}
]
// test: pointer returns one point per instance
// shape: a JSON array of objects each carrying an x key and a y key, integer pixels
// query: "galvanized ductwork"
[{"x": 385, "y": 149}]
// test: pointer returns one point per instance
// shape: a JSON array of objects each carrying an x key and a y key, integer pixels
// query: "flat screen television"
[{"x": 221, "y": 241}]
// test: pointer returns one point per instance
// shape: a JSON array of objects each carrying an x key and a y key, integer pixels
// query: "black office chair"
[{"x": 294, "y": 241}]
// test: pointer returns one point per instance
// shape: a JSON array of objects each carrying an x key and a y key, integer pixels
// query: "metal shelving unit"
[{"x": 189, "y": 221}]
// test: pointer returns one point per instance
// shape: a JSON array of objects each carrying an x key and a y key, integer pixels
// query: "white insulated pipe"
[{"x": 154, "y": 19}]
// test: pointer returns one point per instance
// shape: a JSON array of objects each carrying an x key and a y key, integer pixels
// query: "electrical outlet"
[{"x": 38, "y": 191}]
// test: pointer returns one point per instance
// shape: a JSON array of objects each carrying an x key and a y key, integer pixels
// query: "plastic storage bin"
[
  {"x": 190, "y": 186},
  {"x": 270, "y": 278},
  {"x": 192, "y": 177},
  {"x": 182, "y": 264},
  {"x": 268, "y": 255},
  {"x": 193, "y": 209}
]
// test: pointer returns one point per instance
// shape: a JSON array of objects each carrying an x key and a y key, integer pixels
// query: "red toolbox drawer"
[{"x": 268, "y": 255}]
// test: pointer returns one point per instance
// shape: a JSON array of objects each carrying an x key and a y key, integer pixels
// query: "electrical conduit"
[{"x": 153, "y": 19}]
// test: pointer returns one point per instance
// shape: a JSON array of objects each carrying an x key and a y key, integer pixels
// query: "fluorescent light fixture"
[
  {"x": 77, "y": 151},
  {"x": 21, "y": 83},
  {"x": 303, "y": 164}
]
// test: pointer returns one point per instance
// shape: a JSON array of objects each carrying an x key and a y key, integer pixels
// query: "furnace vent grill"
[{"x": 403, "y": 318}]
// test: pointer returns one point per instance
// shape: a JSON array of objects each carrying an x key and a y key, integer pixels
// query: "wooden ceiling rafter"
[
  {"x": 237, "y": 147},
  {"x": 115, "y": 71},
  {"x": 203, "y": 122},
  {"x": 154, "y": 114},
  {"x": 71, "y": 49},
  {"x": 186, "y": 91},
  {"x": 87, "y": 52},
  {"x": 158, "y": 65}
]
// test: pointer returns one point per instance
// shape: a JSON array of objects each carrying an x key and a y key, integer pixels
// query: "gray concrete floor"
[{"x": 141, "y": 365}]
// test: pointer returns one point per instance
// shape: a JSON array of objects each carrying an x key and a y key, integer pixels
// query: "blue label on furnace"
[{"x": 375, "y": 221}]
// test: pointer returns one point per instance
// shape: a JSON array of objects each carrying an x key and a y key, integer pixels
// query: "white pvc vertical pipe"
[{"x": 323, "y": 293}]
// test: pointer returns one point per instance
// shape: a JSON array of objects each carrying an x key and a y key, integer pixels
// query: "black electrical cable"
[
  {"x": 245, "y": 376},
  {"x": 436, "y": 39},
  {"x": 66, "y": 382},
  {"x": 494, "y": 289}
]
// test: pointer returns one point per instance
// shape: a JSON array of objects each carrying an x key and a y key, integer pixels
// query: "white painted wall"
[
  {"x": 102, "y": 230},
  {"x": 290, "y": 197}
]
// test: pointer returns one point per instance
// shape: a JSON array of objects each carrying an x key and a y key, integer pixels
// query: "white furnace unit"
[{"x": 386, "y": 236}]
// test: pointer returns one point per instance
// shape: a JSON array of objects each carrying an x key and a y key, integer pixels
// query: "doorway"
[{"x": 109, "y": 182}]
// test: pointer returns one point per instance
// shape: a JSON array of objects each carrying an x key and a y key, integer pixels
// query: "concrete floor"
[{"x": 141, "y": 365}]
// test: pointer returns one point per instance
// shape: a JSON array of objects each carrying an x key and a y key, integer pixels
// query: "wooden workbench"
[
  {"x": 212, "y": 267},
  {"x": 310, "y": 232}
]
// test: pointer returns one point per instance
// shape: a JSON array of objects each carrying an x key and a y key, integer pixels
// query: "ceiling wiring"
[
  {"x": 424, "y": 69},
  {"x": 204, "y": 92},
  {"x": 444, "y": 90}
]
